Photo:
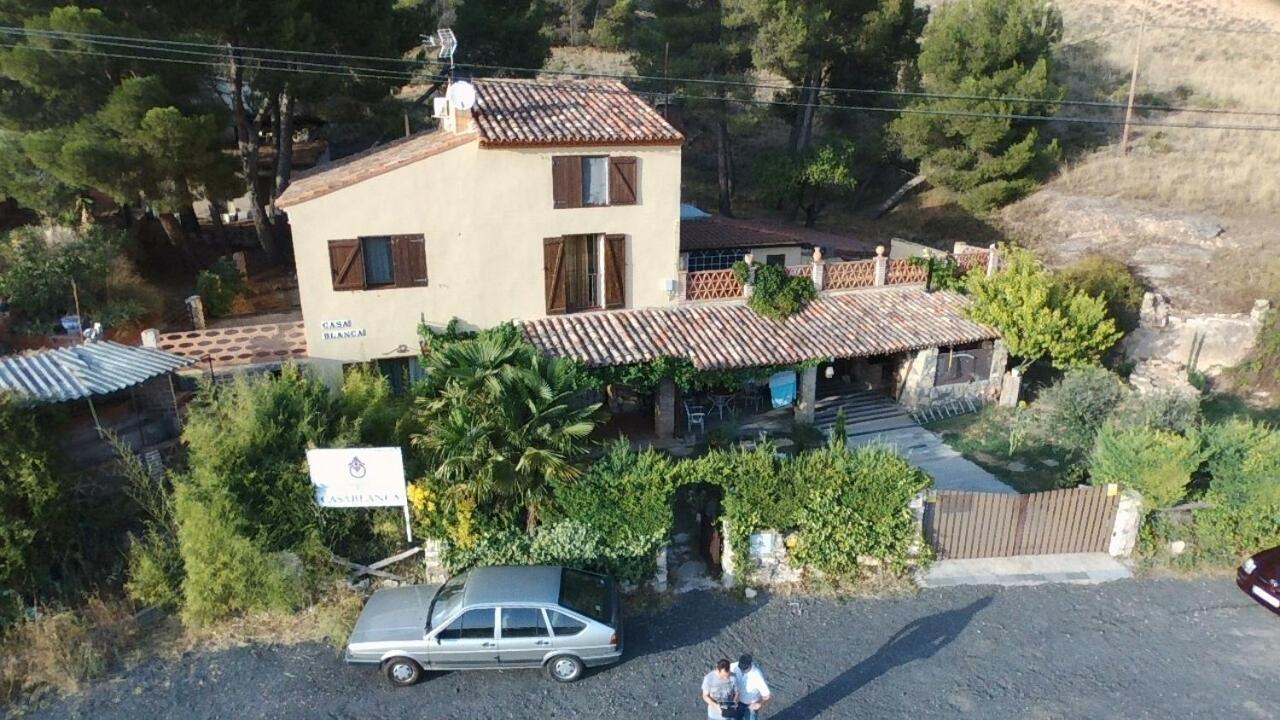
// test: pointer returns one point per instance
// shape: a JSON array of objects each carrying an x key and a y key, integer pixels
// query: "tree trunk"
[
  {"x": 724, "y": 165},
  {"x": 248, "y": 144},
  {"x": 897, "y": 196},
  {"x": 530, "y": 518},
  {"x": 172, "y": 227},
  {"x": 805, "y": 132},
  {"x": 190, "y": 221},
  {"x": 284, "y": 143}
]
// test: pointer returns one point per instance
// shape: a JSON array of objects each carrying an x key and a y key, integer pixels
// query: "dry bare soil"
[{"x": 1193, "y": 210}]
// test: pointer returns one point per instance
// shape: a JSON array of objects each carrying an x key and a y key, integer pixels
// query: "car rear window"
[{"x": 588, "y": 594}]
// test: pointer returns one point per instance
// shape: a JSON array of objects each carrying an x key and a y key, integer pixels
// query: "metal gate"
[{"x": 978, "y": 525}]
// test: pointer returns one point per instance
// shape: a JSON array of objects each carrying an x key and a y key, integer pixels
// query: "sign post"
[{"x": 360, "y": 477}]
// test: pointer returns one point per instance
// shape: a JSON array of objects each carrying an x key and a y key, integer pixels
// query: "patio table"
[{"x": 722, "y": 401}]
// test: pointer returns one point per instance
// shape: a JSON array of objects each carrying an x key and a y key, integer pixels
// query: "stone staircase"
[{"x": 865, "y": 412}]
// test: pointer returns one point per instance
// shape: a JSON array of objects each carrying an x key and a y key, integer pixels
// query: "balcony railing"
[{"x": 849, "y": 275}]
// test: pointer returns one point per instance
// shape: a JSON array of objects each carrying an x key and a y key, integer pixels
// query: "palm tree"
[{"x": 502, "y": 422}]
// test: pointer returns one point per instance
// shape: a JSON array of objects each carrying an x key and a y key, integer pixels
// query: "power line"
[
  {"x": 137, "y": 43},
  {"x": 345, "y": 71}
]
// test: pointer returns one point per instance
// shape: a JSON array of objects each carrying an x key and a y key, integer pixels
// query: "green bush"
[
  {"x": 775, "y": 294},
  {"x": 155, "y": 571},
  {"x": 32, "y": 504},
  {"x": 1156, "y": 463},
  {"x": 227, "y": 573},
  {"x": 1243, "y": 496},
  {"x": 218, "y": 287},
  {"x": 1071, "y": 410},
  {"x": 36, "y": 272},
  {"x": 1113, "y": 281},
  {"x": 856, "y": 507},
  {"x": 1173, "y": 411}
]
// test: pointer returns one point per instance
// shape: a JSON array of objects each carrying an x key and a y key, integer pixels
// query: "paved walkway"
[
  {"x": 1075, "y": 568},
  {"x": 927, "y": 451}
]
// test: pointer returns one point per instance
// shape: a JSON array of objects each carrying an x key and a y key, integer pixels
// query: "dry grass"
[
  {"x": 61, "y": 651},
  {"x": 1200, "y": 170}
]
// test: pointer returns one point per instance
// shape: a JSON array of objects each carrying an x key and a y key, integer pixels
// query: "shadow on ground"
[
  {"x": 919, "y": 640},
  {"x": 693, "y": 618}
]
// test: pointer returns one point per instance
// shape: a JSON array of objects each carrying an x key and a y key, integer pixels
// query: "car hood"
[
  {"x": 394, "y": 614},
  {"x": 1269, "y": 562}
]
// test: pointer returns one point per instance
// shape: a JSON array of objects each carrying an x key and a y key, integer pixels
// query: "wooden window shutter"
[
  {"x": 346, "y": 264},
  {"x": 557, "y": 281},
  {"x": 615, "y": 271},
  {"x": 622, "y": 181},
  {"x": 409, "y": 259},
  {"x": 566, "y": 181}
]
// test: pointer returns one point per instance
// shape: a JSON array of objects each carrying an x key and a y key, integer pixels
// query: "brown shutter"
[
  {"x": 557, "y": 282},
  {"x": 566, "y": 181},
  {"x": 409, "y": 258},
  {"x": 615, "y": 271},
  {"x": 622, "y": 181},
  {"x": 346, "y": 264}
]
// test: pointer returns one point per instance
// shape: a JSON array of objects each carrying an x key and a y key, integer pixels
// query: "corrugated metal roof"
[
  {"x": 73, "y": 373},
  {"x": 731, "y": 335}
]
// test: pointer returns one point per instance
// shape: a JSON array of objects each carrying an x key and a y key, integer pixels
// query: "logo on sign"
[{"x": 356, "y": 468}]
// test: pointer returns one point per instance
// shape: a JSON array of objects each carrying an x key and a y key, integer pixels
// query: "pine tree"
[{"x": 985, "y": 48}]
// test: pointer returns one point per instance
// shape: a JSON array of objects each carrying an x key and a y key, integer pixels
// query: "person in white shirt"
[{"x": 753, "y": 691}]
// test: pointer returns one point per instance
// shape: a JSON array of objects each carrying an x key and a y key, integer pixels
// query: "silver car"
[{"x": 556, "y": 618}]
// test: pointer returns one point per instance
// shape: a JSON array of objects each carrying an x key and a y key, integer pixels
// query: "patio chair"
[
  {"x": 751, "y": 399},
  {"x": 695, "y": 416}
]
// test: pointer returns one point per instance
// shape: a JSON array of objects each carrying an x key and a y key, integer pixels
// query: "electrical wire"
[
  {"x": 149, "y": 44},
  {"x": 346, "y": 71}
]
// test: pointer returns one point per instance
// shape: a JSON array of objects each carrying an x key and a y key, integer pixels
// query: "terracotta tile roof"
[
  {"x": 566, "y": 112},
  {"x": 730, "y": 335},
  {"x": 718, "y": 232},
  {"x": 324, "y": 179}
]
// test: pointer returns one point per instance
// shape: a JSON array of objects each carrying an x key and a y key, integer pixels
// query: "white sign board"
[{"x": 358, "y": 477}]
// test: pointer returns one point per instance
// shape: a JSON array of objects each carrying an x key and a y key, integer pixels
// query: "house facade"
[{"x": 505, "y": 213}]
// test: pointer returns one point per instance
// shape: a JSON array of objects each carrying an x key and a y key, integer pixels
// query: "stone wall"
[
  {"x": 1124, "y": 537},
  {"x": 1208, "y": 343},
  {"x": 917, "y": 389}
]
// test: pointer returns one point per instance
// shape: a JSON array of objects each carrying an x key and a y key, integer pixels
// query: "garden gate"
[{"x": 980, "y": 525}]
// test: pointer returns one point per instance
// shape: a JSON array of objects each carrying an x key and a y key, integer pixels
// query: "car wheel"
[
  {"x": 565, "y": 668},
  {"x": 402, "y": 671}
]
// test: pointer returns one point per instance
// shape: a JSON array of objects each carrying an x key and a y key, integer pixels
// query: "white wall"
[{"x": 484, "y": 214}]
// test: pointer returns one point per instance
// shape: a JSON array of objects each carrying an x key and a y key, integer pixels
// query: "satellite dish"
[{"x": 462, "y": 95}]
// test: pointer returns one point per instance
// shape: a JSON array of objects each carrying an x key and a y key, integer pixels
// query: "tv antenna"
[{"x": 444, "y": 42}]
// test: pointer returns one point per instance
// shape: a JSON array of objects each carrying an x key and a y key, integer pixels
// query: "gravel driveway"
[{"x": 1132, "y": 649}]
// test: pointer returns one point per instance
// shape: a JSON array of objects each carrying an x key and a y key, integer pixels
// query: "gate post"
[{"x": 1124, "y": 536}]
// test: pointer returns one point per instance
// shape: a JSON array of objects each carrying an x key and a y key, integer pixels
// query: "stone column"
[
  {"x": 660, "y": 573},
  {"x": 818, "y": 269},
  {"x": 882, "y": 266},
  {"x": 1124, "y": 537},
  {"x": 993, "y": 259},
  {"x": 918, "y": 384},
  {"x": 728, "y": 561},
  {"x": 150, "y": 338},
  {"x": 749, "y": 286},
  {"x": 664, "y": 409},
  {"x": 195, "y": 308},
  {"x": 1010, "y": 388},
  {"x": 806, "y": 394},
  {"x": 241, "y": 263}
]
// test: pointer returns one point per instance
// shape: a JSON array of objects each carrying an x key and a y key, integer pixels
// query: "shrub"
[
  {"x": 1243, "y": 496},
  {"x": 63, "y": 650},
  {"x": 40, "y": 264},
  {"x": 1072, "y": 409},
  {"x": 856, "y": 507},
  {"x": 1156, "y": 463},
  {"x": 218, "y": 287},
  {"x": 226, "y": 572},
  {"x": 1172, "y": 411},
  {"x": 775, "y": 294},
  {"x": 32, "y": 508},
  {"x": 1110, "y": 279}
]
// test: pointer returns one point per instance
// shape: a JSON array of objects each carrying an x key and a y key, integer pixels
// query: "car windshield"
[
  {"x": 587, "y": 593},
  {"x": 447, "y": 599}
]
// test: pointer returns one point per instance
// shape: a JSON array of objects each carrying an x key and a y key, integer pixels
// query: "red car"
[{"x": 1260, "y": 577}]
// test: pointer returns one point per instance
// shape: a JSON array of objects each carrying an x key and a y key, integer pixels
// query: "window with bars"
[{"x": 714, "y": 259}]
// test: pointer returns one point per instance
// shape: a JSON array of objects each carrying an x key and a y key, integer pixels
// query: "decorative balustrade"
[
  {"x": 849, "y": 275},
  {"x": 711, "y": 285},
  {"x": 903, "y": 271}
]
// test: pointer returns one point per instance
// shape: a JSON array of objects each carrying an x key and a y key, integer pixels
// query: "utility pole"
[{"x": 1133, "y": 88}]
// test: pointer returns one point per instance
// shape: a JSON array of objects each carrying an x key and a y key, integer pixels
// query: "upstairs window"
[
  {"x": 372, "y": 263},
  {"x": 593, "y": 181}
]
